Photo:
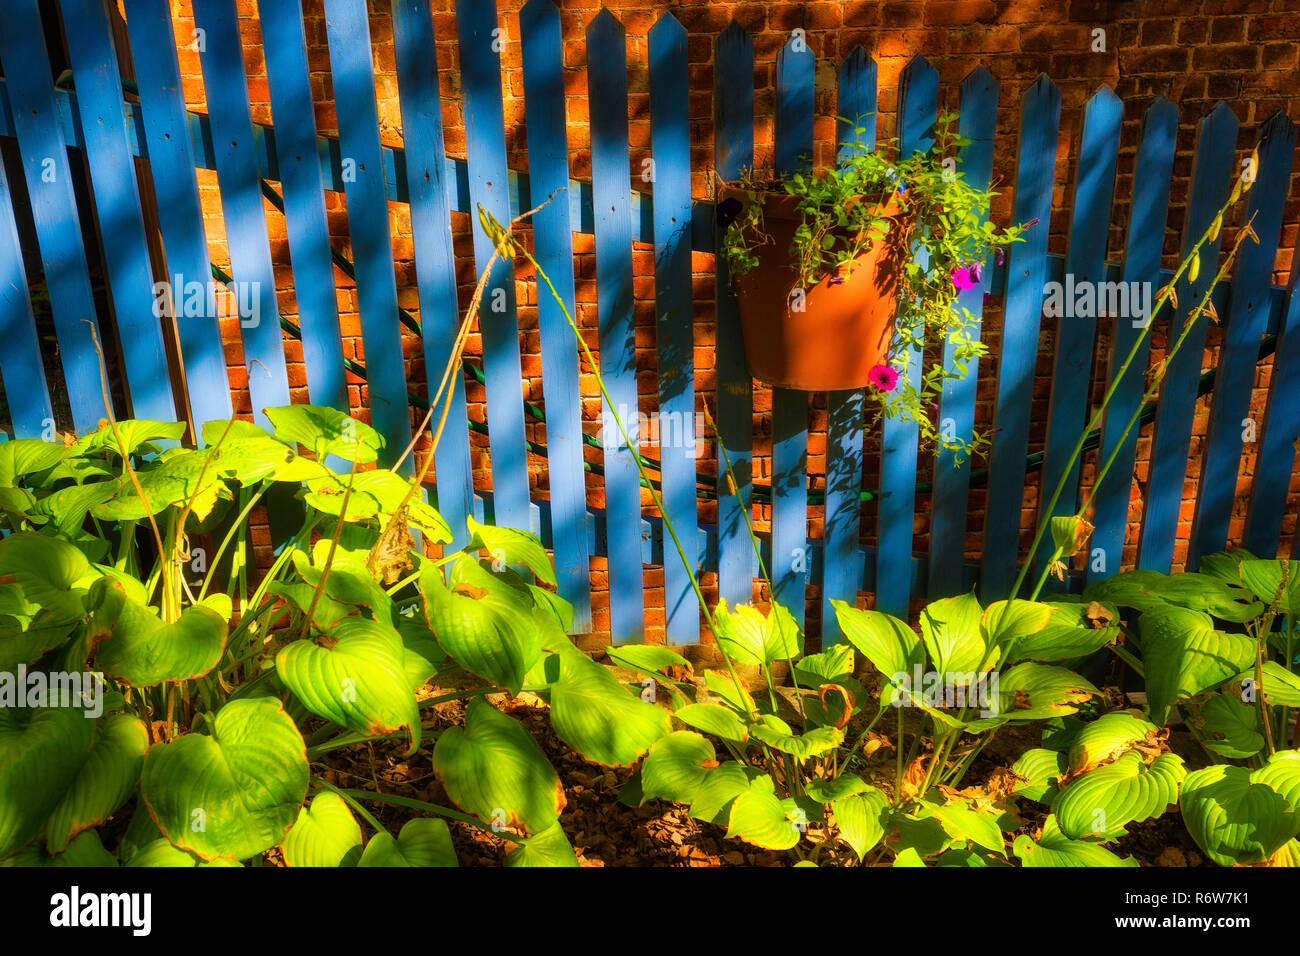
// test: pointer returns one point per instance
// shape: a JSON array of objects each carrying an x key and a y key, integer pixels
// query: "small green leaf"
[
  {"x": 1055, "y": 849},
  {"x": 676, "y": 767},
  {"x": 324, "y": 834},
  {"x": 548, "y": 848},
  {"x": 421, "y": 842}
]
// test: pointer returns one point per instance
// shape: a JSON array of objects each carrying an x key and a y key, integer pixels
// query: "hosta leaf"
[
  {"x": 494, "y": 769},
  {"x": 511, "y": 546},
  {"x": 326, "y": 431},
  {"x": 1273, "y": 583},
  {"x": 422, "y": 842},
  {"x": 234, "y": 793},
  {"x": 68, "y": 507},
  {"x": 1235, "y": 816},
  {"x": 186, "y": 477},
  {"x": 132, "y": 644},
  {"x": 1183, "y": 655},
  {"x": 44, "y": 567},
  {"x": 860, "y": 819},
  {"x": 1005, "y": 623},
  {"x": 1280, "y": 687},
  {"x": 105, "y": 780},
  {"x": 1145, "y": 590},
  {"x": 356, "y": 678},
  {"x": 347, "y": 583},
  {"x": 677, "y": 766},
  {"x": 593, "y": 714},
  {"x": 891, "y": 646},
  {"x": 759, "y": 817},
  {"x": 650, "y": 659},
  {"x": 1032, "y": 691},
  {"x": 1040, "y": 769},
  {"x": 722, "y": 685},
  {"x": 829, "y": 667},
  {"x": 778, "y": 735},
  {"x": 964, "y": 822},
  {"x": 85, "y": 850},
  {"x": 374, "y": 493},
  {"x": 720, "y": 788},
  {"x": 162, "y": 853},
  {"x": 422, "y": 657},
  {"x": 750, "y": 637},
  {"x": 1054, "y": 848},
  {"x": 23, "y": 456},
  {"x": 42, "y": 749},
  {"x": 485, "y": 624},
  {"x": 324, "y": 834},
  {"x": 1067, "y": 634},
  {"x": 1107, "y": 737},
  {"x": 951, "y": 631},
  {"x": 1232, "y": 728},
  {"x": 327, "y": 611},
  {"x": 548, "y": 848},
  {"x": 1104, "y": 801},
  {"x": 714, "y": 719}
]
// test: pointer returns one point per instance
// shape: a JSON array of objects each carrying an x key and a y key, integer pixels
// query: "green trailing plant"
[{"x": 851, "y": 206}]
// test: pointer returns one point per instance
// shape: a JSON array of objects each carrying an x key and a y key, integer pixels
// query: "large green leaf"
[
  {"x": 1273, "y": 583},
  {"x": 23, "y": 456},
  {"x": 422, "y": 842},
  {"x": 511, "y": 546},
  {"x": 1279, "y": 687},
  {"x": 760, "y": 817},
  {"x": 1107, "y": 737},
  {"x": 548, "y": 848},
  {"x": 951, "y": 631},
  {"x": 860, "y": 819},
  {"x": 494, "y": 769},
  {"x": 750, "y": 637},
  {"x": 485, "y": 624},
  {"x": 105, "y": 780},
  {"x": 1039, "y": 770},
  {"x": 45, "y": 568},
  {"x": 375, "y": 493},
  {"x": 892, "y": 647},
  {"x": 326, "y": 431},
  {"x": 162, "y": 853},
  {"x": 1054, "y": 848},
  {"x": 42, "y": 749},
  {"x": 720, "y": 788},
  {"x": 234, "y": 793},
  {"x": 1145, "y": 590},
  {"x": 596, "y": 716},
  {"x": 183, "y": 477},
  {"x": 1232, "y": 728},
  {"x": 777, "y": 734},
  {"x": 1032, "y": 691},
  {"x": 133, "y": 645},
  {"x": 249, "y": 455},
  {"x": 964, "y": 822},
  {"x": 677, "y": 766},
  {"x": 67, "y": 507},
  {"x": 325, "y": 834},
  {"x": 1068, "y": 633},
  {"x": 355, "y": 676},
  {"x": 714, "y": 719},
  {"x": 650, "y": 659},
  {"x": 1237, "y": 815},
  {"x": 1183, "y": 654},
  {"x": 1006, "y": 623},
  {"x": 1102, "y": 802}
]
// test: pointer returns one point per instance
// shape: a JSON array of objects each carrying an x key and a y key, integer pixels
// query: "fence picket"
[
  {"x": 791, "y": 560},
  {"x": 222, "y": 58},
  {"x": 1085, "y": 264},
  {"x": 918, "y": 99},
  {"x": 304, "y": 200},
  {"x": 1279, "y": 430},
  {"x": 1211, "y": 178},
  {"x": 607, "y": 89},
  {"x": 21, "y": 367},
  {"x": 54, "y": 205},
  {"x": 1018, "y": 346},
  {"x": 1153, "y": 168},
  {"x": 842, "y": 565},
  {"x": 733, "y": 151},
  {"x": 180, "y": 214},
  {"x": 548, "y": 167},
  {"x": 1246, "y": 321},
  {"x": 117, "y": 206},
  {"x": 489, "y": 180},
  {"x": 947, "y": 573},
  {"x": 670, "y": 142}
]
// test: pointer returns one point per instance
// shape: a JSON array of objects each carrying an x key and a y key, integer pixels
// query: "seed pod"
[
  {"x": 1195, "y": 268},
  {"x": 1215, "y": 227}
]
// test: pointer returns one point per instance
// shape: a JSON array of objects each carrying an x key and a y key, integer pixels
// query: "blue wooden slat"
[
  {"x": 978, "y": 123},
  {"x": 49, "y": 187},
  {"x": 166, "y": 127},
  {"x": 348, "y": 31},
  {"x": 548, "y": 164},
  {"x": 480, "y": 66},
  {"x": 1211, "y": 173},
  {"x": 435, "y": 264},
  {"x": 1246, "y": 319},
  {"x": 841, "y": 573},
  {"x": 1018, "y": 345},
  {"x": 918, "y": 93},
  {"x": 28, "y": 397},
  {"x": 670, "y": 141},
  {"x": 117, "y": 203},
  {"x": 733, "y": 150},
  {"x": 241, "y": 201},
  {"x": 607, "y": 85},
  {"x": 794, "y": 144},
  {"x": 285, "y": 47},
  {"x": 1085, "y": 263},
  {"x": 1278, "y": 432},
  {"x": 1145, "y": 242}
]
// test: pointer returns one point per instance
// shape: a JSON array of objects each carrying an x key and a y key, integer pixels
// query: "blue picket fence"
[{"x": 46, "y": 118}]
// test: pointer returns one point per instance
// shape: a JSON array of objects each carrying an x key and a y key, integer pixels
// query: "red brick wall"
[{"x": 1193, "y": 52}]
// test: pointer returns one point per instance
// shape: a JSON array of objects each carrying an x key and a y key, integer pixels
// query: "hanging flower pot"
[{"x": 828, "y": 334}]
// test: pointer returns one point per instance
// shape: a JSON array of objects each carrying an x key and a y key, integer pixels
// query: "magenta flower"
[
  {"x": 883, "y": 377},
  {"x": 966, "y": 277}
]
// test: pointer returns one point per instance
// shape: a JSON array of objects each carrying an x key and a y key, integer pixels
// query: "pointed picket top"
[
  {"x": 856, "y": 94},
  {"x": 1219, "y": 121},
  {"x": 918, "y": 93},
  {"x": 978, "y": 79},
  {"x": 734, "y": 32},
  {"x": 538, "y": 11},
  {"x": 666, "y": 29},
  {"x": 1103, "y": 97},
  {"x": 1278, "y": 124},
  {"x": 606, "y": 26},
  {"x": 1159, "y": 109},
  {"x": 917, "y": 67},
  {"x": 857, "y": 60}
]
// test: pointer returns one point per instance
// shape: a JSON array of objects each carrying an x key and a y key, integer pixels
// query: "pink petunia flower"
[
  {"x": 883, "y": 377},
  {"x": 966, "y": 277}
]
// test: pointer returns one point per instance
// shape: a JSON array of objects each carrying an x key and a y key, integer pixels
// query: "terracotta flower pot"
[{"x": 843, "y": 328}]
